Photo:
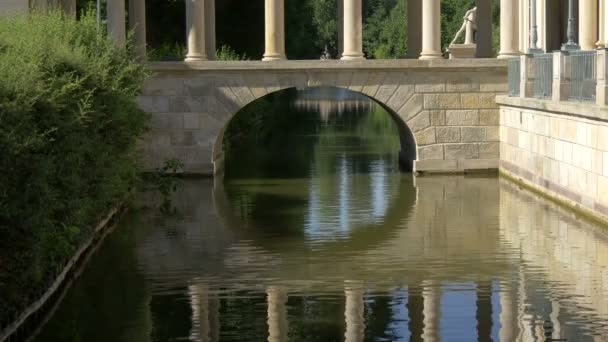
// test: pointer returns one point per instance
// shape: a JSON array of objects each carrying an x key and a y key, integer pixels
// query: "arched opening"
[
  {"x": 268, "y": 124},
  {"x": 318, "y": 167}
]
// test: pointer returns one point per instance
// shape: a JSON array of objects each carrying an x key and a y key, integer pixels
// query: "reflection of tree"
[{"x": 100, "y": 292}]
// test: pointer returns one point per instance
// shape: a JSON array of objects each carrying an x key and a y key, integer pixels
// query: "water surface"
[{"x": 315, "y": 235}]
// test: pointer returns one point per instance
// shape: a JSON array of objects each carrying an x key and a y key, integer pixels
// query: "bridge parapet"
[{"x": 447, "y": 106}]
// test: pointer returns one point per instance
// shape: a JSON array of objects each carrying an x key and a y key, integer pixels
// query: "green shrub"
[
  {"x": 168, "y": 52},
  {"x": 226, "y": 53},
  {"x": 69, "y": 123}
]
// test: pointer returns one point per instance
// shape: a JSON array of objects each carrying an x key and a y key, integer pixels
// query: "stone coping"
[
  {"x": 332, "y": 65},
  {"x": 585, "y": 110}
]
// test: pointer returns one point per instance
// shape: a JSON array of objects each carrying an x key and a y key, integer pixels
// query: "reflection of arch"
[
  {"x": 403, "y": 110},
  {"x": 360, "y": 239}
]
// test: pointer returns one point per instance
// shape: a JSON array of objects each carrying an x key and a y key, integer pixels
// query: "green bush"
[
  {"x": 226, "y": 53},
  {"x": 69, "y": 123}
]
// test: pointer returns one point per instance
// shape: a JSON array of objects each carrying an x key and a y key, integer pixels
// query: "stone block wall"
[
  {"x": 448, "y": 108},
  {"x": 559, "y": 148}
]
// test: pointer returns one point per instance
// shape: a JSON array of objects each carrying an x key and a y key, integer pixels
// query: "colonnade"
[{"x": 524, "y": 24}]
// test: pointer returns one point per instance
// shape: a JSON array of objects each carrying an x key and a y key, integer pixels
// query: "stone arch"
[{"x": 388, "y": 90}]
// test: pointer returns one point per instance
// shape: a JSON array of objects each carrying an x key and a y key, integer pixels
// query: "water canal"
[{"x": 314, "y": 234}]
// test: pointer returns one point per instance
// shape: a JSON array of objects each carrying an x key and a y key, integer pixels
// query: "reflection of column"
[
  {"x": 277, "y": 314},
  {"x": 137, "y": 23},
  {"x": 556, "y": 326},
  {"x": 415, "y": 310},
  {"x": 195, "y": 26},
  {"x": 275, "y": 30},
  {"x": 431, "y": 30},
  {"x": 353, "y": 312},
  {"x": 524, "y": 319},
  {"x": 199, "y": 301},
  {"x": 353, "y": 30},
  {"x": 432, "y": 312},
  {"x": 484, "y": 311},
  {"x": 116, "y": 21},
  {"x": 507, "y": 311},
  {"x": 414, "y": 28}
]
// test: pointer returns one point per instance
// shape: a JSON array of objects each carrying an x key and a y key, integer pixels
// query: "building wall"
[
  {"x": 559, "y": 148},
  {"x": 9, "y": 7}
]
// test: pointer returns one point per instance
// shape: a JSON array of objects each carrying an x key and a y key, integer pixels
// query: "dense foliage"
[{"x": 69, "y": 124}]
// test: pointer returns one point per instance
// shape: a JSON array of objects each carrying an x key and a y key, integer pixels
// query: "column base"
[
  {"x": 430, "y": 55},
  {"x": 570, "y": 46},
  {"x": 195, "y": 58},
  {"x": 271, "y": 58},
  {"x": 507, "y": 55},
  {"x": 352, "y": 57}
]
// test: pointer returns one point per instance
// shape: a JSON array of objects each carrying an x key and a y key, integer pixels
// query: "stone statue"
[
  {"x": 470, "y": 25},
  {"x": 326, "y": 55}
]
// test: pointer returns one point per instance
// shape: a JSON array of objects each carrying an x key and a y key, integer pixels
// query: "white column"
[
  {"x": 587, "y": 24},
  {"x": 353, "y": 312},
  {"x": 605, "y": 16},
  {"x": 210, "y": 47},
  {"x": 195, "y": 27},
  {"x": 601, "y": 42},
  {"x": 414, "y": 28},
  {"x": 340, "y": 23},
  {"x": 353, "y": 30},
  {"x": 275, "y": 30},
  {"x": 137, "y": 23},
  {"x": 509, "y": 29},
  {"x": 116, "y": 21},
  {"x": 277, "y": 314},
  {"x": 431, "y": 30}
]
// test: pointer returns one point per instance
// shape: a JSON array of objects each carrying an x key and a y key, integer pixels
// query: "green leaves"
[{"x": 69, "y": 123}]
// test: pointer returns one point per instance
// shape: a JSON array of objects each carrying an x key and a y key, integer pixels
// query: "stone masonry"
[
  {"x": 447, "y": 106},
  {"x": 560, "y": 148}
]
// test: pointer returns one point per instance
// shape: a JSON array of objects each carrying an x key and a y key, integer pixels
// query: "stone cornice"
[
  {"x": 335, "y": 65},
  {"x": 586, "y": 110}
]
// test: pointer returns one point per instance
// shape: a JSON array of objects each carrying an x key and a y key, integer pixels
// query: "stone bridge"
[{"x": 445, "y": 109}]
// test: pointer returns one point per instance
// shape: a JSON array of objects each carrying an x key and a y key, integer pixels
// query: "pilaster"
[
  {"x": 527, "y": 76},
  {"x": 561, "y": 76}
]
